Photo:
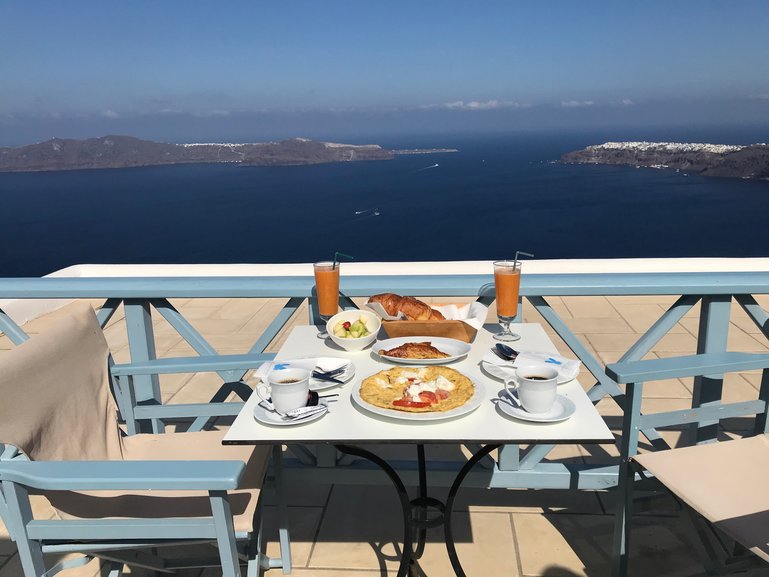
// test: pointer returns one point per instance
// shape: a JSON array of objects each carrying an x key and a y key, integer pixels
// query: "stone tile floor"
[{"x": 353, "y": 530}]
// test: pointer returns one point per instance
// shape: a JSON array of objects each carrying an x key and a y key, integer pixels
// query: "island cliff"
[
  {"x": 749, "y": 161},
  {"x": 126, "y": 151}
]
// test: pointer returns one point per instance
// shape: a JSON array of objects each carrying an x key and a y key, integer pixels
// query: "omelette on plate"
[{"x": 417, "y": 390}]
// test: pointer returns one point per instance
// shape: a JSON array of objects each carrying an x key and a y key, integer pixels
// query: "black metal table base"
[{"x": 416, "y": 512}]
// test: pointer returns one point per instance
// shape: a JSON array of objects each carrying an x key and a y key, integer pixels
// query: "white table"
[{"x": 347, "y": 425}]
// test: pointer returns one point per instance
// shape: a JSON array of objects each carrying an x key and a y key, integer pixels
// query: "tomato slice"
[
  {"x": 410, "y": 403},
  {"x": 441, "y": 393},
  {"x": 428, "y": 396}
]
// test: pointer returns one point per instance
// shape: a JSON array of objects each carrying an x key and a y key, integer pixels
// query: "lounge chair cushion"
[
  {"x": 57, "y": 406},
  {"x": 56, "y": 401},
  {"x": 726, "y": 482},
  {"x": 204, "y": 445}
]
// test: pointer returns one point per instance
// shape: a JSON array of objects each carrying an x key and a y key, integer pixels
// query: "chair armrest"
[
  {"x": 200, "y": 364},
  {"x": 124, "y": 475},
  {"x": 686, "y": 366}
]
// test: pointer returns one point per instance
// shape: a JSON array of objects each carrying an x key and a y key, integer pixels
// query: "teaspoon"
[{"x": 505, "y": 352}]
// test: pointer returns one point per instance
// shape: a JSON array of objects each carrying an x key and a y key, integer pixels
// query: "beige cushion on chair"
[
  {"x": 201, "y": 446},
  {"x": 57, "y": 406},
  {"x": 56, "y": 401},
  {"x": 726, "y": 482}
]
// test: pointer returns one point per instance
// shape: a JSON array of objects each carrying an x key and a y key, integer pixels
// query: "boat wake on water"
[
  {"x": 368, "y": 212},
  {"x": 428, "y": 167}
]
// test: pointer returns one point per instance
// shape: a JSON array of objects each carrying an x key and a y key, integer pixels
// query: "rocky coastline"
[
  {"x": 127, "y": 151},
  {"x": 722, "y": 160}
]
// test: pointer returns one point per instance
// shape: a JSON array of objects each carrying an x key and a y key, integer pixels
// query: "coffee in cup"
[
  {"x": 286, "y": 389},
  {"x": 534, "y": 386}
]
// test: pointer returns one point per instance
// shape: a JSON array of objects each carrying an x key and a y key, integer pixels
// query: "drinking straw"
[
  {"x": 515, "y": 263},
  {"x": 338, "y": 254}
]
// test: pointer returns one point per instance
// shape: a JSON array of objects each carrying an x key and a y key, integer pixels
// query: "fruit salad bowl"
[{"x": 349, "y": 323}]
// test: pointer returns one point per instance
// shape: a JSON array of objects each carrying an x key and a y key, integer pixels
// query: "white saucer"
[
  {"x": 563, "y": 408},
  {"x": 272, "y": 418}
]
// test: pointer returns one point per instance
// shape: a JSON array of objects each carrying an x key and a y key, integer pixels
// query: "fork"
[
  {"x": 295, "y": 414},
  {"x": 329, "y": 375}
]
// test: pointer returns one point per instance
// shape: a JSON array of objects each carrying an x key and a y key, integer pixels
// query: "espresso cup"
[
  {"x": 534, "y": 386},
  {"x": 287, "y": 389}
]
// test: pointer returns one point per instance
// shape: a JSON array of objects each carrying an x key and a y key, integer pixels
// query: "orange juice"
[
  {"x": 507, "y": 284},
  {"x": 327, "y": 284}
]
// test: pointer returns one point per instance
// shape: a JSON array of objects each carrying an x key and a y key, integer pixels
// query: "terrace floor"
[{"x": 548, "y": 533}]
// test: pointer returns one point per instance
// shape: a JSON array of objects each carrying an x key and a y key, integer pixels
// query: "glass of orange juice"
[
  {"x": 507, "y": 285},
  {"x": 327, "y": 286}
]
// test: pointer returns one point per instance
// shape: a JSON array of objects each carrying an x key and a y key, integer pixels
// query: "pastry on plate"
[{"x": 414, "y": 351}]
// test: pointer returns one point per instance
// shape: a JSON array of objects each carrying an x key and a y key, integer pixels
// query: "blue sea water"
[{"x": 499, "y": 194}]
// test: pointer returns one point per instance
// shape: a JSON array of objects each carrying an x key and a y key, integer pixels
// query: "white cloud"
[
  {"x": 195, "y": 113},
  {"x": 576, "y": 103},
  {"x": 110, "y": 114},
  {"x": 209, "y": 113},
  {"x": 627, "y": 102},
  {"x": 478, "y": 105}
]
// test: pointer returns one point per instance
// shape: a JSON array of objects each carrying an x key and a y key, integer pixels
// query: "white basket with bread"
[{"x": 405, "y": 316}]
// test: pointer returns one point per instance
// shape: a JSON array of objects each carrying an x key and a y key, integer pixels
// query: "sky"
[{"x": 249, "y": 70}]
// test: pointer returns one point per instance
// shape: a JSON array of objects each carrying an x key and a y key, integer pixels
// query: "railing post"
[
  {"x": 628, "y": 447},
  {"x": 312, "y": 307},
  {"x": 712, "y": 337},
  {"x": 509, "y": 457},
  {"x": 141, "y": 344}
]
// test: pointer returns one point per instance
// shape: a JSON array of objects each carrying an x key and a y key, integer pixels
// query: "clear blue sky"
[{"x": 80, "y": 68}]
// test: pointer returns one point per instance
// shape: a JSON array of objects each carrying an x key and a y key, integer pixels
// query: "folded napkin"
[
  {"x": 323, "y": 363},
  {"x": 474, "y": 314},
  {"x": 567, "y": 368}
]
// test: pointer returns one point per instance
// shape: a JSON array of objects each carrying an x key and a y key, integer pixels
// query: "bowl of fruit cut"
[{"x": 353, "y": 330}]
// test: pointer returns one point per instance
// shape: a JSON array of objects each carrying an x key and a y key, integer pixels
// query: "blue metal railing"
[{"x": 714, "y": 292}]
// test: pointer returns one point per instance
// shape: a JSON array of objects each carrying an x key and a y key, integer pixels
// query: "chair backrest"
[{"x": 55, "y": 400}]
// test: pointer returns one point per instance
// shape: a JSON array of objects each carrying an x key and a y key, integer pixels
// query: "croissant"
[
  {"x": 414, "y": 309},
  {"x": 389, "y": 302}
]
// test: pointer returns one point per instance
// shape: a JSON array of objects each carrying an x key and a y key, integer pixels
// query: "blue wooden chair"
[
  {"x": 723, "y": 487},
  {"x": 120, "y": 498}
]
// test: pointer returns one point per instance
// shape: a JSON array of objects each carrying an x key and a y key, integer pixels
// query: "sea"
[{"x": 498, "y": 194}]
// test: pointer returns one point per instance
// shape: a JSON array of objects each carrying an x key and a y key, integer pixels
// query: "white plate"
[
  {"x": 452, "y": 347},
  {"x": 503, "y": 373},
  {"x": 326, "y": 364},
  {"x": 562, "y": 410},
  {"x": 473, "y": 403},
  {"x": 274, "y": 419}
]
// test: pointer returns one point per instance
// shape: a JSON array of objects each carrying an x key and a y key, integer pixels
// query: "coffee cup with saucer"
[
  {"x": 534, "y": 387},
  {"x": 532, "y": 394},
  {"x": 287, "y": 389}
]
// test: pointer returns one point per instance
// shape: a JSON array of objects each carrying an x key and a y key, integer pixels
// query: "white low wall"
[{"x": 23, "y": 310}]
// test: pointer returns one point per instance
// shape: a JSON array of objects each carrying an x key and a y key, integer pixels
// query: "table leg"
[
  {"x": 420, "y": 506},
  {"x": 422, "y": 513},
  {"x": 450, "y": 547},
  {"x": 406, "y": 558},
  {"x": 415, "y": 511}
]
